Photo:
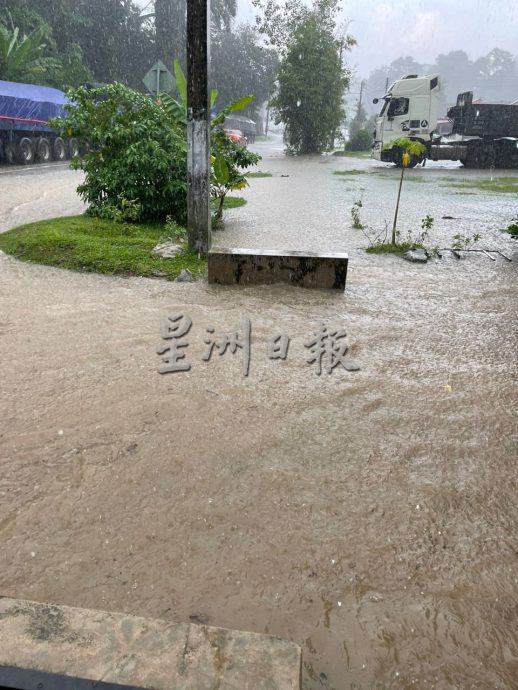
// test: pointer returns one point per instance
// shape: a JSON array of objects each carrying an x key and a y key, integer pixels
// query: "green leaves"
[
  {"x": 221, "y": 171},
  {"x": 138, "y": 152},
  {"x": 23, "y": 59},
  {"x": 181, "y": 83},
  {"x": 415, "y": 148},
  {"x": 310, "y": 91},
  {"x": 240, "y": 104}
]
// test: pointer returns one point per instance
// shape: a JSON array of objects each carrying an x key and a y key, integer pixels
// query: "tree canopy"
[{"x": 311, "y": 84}]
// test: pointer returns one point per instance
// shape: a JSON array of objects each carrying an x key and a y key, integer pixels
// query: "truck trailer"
[
  {"x": 482, "y": 135},
  {"x": 25, "y": 134}
]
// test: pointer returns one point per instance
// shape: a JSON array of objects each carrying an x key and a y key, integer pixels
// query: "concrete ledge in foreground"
[
  {"x": 47, "y": 647},
  {"x": 264, "y": 267}
]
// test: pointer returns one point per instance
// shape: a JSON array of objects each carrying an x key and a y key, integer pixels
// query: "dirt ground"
[{"x": 370, "y": 516}]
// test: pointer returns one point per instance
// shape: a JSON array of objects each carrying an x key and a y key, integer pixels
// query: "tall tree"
[
  {"x": 240, "y": 66},
  {"x": 170, "y": 18},
  {"x": 496, "y": 76},
  {"x": 311, "y": 83},
  {"x": 109, "y": 36}
]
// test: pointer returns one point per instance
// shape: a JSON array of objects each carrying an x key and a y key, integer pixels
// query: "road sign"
[{"x": 159, "y": 79}]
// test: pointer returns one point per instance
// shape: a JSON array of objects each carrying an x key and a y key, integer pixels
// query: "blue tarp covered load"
[{"x": 27, "y": 106}]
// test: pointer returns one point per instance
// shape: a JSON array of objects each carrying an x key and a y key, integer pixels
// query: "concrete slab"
[
  {"x": 48, "y": 647},
  {"x": 264, "y": 267}
]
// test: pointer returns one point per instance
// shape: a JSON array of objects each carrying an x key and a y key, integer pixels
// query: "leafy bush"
[
  {"x": 361, "y": 141},
  {"x": 136, "y": 154},
  {"x": 230, "y": 160}
]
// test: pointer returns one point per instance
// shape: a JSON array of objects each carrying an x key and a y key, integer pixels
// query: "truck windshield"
[{"x": 398, "y": 106}]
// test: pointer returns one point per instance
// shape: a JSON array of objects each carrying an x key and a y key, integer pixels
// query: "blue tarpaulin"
[{"x": 27, "y": 106}]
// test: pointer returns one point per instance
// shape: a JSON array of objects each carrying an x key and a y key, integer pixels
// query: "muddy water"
[
  {"x": 35, "y": 192},
  {"x": 370, "y": 516},
  {"x": 315, "y": 204}
]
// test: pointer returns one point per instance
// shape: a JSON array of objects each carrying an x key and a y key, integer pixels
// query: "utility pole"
[
  {"x": 386, "y": 85},
  {"x": 361, "y": 94},
  {"x": 198, "y": 121}
]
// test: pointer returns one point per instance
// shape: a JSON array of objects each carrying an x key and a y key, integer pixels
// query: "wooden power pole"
[{"x": 198, "y": 125}]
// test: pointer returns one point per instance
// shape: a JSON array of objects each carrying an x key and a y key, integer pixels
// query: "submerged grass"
[
  {"x": 505, "y": 185},
  {"x": 234, "y": 202},
  {"x": 348, "y": 172},
  {"x": 397, "y": 249},
  {"x": 408, "y": 177},
  {"x": 83, "y": 243},
  {"x": 259, "y": 173},
  {"x": 353, "y": 154}
]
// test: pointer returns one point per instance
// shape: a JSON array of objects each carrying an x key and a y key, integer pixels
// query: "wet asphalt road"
[{"x": 36, "y": 192}]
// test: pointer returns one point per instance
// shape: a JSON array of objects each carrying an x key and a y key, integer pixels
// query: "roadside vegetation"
[
  {"x": 360, "y": 141},
  {"x": 135, "y": 151},
  {"x": 349, "y": 172},
  {"x": 258, "y": 173},
  {"x": 353, "y": 154},
  {"x": 312, "y": 76},
  {"x": 97, "y": 245},
  {"x": 234, "y": 202},
  {"x": 512, "y": 228},
  {"x": 505, "y": 185}
]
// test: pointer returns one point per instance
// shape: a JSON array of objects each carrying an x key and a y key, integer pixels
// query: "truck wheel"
[
  {"x": 43, "y": 150},
  {"x": 59, "y": 152},
  {"x": 73, "y": 148},
  {"x": 25, "y": 151}
]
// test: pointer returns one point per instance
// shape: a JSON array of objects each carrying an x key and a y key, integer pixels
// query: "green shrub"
[
  {"x": 361, "y": 141},
  {"x": 136, "y": 154}
]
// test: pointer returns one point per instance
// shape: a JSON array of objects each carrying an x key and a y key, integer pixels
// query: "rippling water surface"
[{"x": 370, "y": 516}]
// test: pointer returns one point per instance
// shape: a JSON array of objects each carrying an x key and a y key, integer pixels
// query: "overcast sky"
[{"x": 388, "y": 29}]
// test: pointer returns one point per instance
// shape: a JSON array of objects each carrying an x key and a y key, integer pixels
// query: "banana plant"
[
  {"x": 22, "y": 58},
  {"x": 228, "y": 159}
]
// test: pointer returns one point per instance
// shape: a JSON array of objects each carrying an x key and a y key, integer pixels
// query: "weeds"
[
  {"x": 379, "y": 243},
  {"x": 355, "y": 215},
  {"x": 508, "y": 185},
  {"x": 512, "y": 228},
  {"x": 464, "y": 241},
  {"x": 349, "y": 172},
  {"x": 175, "y": 231},
  {"x": 259, "y": 173}
]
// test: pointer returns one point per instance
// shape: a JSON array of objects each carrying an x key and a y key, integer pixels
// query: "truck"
[
  {"x": 25, "y": 133},
  {"x": 480, "y": 135}
]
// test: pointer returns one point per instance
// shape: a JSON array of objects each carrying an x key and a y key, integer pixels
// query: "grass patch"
[
  {"x": 261, "y": 137},
  {"x": 353, "y": 154},
  {"x": 259, "y": 173},
  {"x": 504, "y": 185},
  {"x": 397, "y": 249},
  {"x": 82, "y": 243},
  {"x": 348, "y": 172},
  {"x": 234, "y": 202},
  {"x": 408, "y": 177}
]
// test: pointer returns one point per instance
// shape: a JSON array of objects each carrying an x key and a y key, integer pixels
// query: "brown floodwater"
[{"x": 371, "y": 515}]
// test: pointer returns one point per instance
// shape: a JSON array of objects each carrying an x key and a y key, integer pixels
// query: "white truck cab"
[{"x": 410, "y": 109}]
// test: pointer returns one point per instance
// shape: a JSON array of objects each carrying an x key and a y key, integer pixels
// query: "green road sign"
[{"x": 159, "y": 79}]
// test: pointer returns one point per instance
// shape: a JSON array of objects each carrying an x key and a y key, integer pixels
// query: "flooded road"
[
  {"x": 370, "y": 516},
  {"x": 36, "y": 192}
]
